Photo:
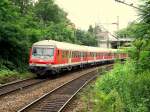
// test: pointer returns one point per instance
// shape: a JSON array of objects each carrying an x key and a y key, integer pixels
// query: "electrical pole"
[{"x": 117, "y": 23}]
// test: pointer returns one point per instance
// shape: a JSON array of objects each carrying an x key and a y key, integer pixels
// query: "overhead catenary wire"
[
  {"x": 129, "y": 4},
  {"x": 132, "y": 5}
]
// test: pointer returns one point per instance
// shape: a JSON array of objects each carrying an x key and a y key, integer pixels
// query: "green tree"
[
  {"x": 47, "y": 10},
  {"x": 23, "y": 5},
  {"x": 86, "y": 38}
]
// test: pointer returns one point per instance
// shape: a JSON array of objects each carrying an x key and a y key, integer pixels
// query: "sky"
[{"x": 90, "y": 12}]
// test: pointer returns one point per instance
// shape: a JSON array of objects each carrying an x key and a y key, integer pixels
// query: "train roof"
[{"x": 74, "y": 47}]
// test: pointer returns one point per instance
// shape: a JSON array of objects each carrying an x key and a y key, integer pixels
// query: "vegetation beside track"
[
  {"x": 120, "y": 90},
  {"x": 7, "y": 75}
]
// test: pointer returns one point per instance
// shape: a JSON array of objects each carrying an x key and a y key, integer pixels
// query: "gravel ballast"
[{"x": 17, "y": 100}]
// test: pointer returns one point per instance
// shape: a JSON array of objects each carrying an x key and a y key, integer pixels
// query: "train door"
[{"x": 58, "y": 56}]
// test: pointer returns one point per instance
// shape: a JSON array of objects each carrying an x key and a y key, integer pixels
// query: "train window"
[
  {"x": 73, "y": 54},
  {"x": 34, "y": 51},
  {"x": 46, "y": 52},
  {"x": 76, "y": 54},
  {"x": 104, "y": 54},
  {"x": 81, "y": 54},
  {"x": 91, "y": 54},
  {"x": 64, "y": 54},
  {"x": 68, "y": 54},
  {"x": 58, "y": 52}
]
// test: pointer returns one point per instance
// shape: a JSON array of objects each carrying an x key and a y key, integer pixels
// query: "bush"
[
  {"x": 6, "y": 65},
  {"x": 7, "y": 75},
  {"x": 121, "y": 90}
]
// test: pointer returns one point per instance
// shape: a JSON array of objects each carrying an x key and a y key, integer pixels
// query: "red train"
[{"x": 52, "y": 56}]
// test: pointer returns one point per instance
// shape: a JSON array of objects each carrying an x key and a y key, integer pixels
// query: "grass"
[{"x": 7, "y": 75}]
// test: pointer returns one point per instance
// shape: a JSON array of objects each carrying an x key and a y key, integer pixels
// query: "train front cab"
[{"x": 41, "y": 59}]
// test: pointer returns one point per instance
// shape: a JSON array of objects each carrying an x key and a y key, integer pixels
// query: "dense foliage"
[
  {"x": 23, "y": 22},
  {"x": 86, "y": 38},
  {"x": 123, "y": 90},
  {"x": 136, "y": 30}
]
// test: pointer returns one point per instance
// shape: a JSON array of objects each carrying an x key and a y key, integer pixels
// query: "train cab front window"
[{"x": 47, "y": 53}]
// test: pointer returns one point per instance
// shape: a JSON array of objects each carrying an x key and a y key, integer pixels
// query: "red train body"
[{"x": 50, "y": 55}]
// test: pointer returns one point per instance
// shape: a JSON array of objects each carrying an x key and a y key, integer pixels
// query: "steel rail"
[
  {"x": 61, "y": 109},
  {"x": 108, "y": 67},
  {"x": 59, "y": 91},
  {"x": 18, "y": 85}
]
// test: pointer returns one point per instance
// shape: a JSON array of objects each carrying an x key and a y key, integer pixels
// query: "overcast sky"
[{"x": 86, "y": 12}]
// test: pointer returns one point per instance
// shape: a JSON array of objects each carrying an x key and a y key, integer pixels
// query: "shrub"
[{"x": 121, "y": 90}]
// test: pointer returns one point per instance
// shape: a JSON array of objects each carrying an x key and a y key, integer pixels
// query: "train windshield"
[{"x": 43, "y": 52}]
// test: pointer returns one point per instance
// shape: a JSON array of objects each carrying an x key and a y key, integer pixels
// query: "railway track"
[
  {"x": 17, "y": 99},
  {"x": 57, "y": 99},
  {"x": 18, "y": 85}
]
